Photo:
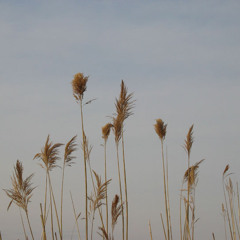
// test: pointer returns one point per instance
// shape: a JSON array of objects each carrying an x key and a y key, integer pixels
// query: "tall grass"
[{"x": 98, "y": 201}]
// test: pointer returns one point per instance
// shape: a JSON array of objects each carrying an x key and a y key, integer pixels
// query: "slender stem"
[
  {"x": 43, "y": 224},
  {"x": 120, "y": 189},
  {"x": 55, "y": 207},
  {"x": 61, "y": 227},
  {"x": 105, "y": 158},
  {"x": 188, "y": 190},
  {"x": 165, "y": 235},
  {"x": 45, "y": 201},
  {"x": 168, "y": 198},
  {"x": 193, "y": 213},
  {"x": 75, "y": 215},
  {"x": 92, "y": 224},
  {"x": 225, "y": 198},
  {"x": 51, "y": 211},
  {"x": 125, "y": 184},
  {"x": 95, "y": 194},
  {"x": 85, "y": 170},
  {"x": 26, "y": 211},
  {"x": 165, "y": 191},
  {"x": 24, "y": 230},
  {"x": 180, "y": 207},
  {"x": 150, "y": 230}
]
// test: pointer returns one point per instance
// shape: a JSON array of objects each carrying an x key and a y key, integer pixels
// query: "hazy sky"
[{"x": 180, "y": 58}]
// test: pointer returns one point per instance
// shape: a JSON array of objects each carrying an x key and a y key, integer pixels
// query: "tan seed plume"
[
  {"x": 106, "y": 130},
  {"x": 160, "y": 128},
  {"x": 189, "y": 141},
  {"x": 79, "y": 85}
]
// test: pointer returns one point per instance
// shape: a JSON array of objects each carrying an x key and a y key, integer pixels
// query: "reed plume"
[
  {"x": 191, "y": 174},
  {"x": 49, "y": 156},
  {"x": 124, "y": 105},
  {"x": 21, "y": 192},
  {"x": 96, "y": 199},
  {"x": 116, "y": 211},
  {"x": 68, "y": 161},
  {"x": 188, "y": 147},
  {"x": 106, "y": 129},
  {"x": 79, "y": 85},
  {"x": 161, "y": 130}
]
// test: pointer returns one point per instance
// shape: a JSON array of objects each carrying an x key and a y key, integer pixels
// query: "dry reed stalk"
[
  {"x": 116, "y": 211},
  {"x": 88, "y": 150},
  {"x": 188, "y": 147},
  {"x": 117, "y": 128},
  {"x": 96, "y": 202},
  {"x": 231, "y": 205},
  {"x": 224, "y": 219},
  {"x": 68, "y": 161},
  {"x": 76, "y": 217},
  {"x": 224, "y": 175},
  {"x": 180, "y": 209},
  {"x": 43, "y": 223},
  {"x": 161, "y": 129},
  {"x": 49, "y": 156},
  {"x": 79, "y": 85},
  {"x": 124, "y": 105},
  {"x": 163, "y": 226},
  {"x": 150, "y": 229},
  {"x": 105, "y": 134},
  {"x": 190, "y": 177},
  {"x": 21, "y": 191},
  {"x": 24, "y": 230}
]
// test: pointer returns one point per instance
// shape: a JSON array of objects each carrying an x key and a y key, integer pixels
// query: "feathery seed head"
[
  {"x": 189, "y": 141},
  {"x": 106, "y": 130},
  {"x": 117, "y": 127},
  {"x": 49, "y": 155},
  {"x": 124, "y": 104},
  {"x": 79, "y": 85},
  {"x": 160, "y": 128},
  {"x": 192, "y": 173},
  {"x": 21, "y": 191}
]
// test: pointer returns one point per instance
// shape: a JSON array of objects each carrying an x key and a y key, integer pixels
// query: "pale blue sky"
[{"x": 180, "y": 58}]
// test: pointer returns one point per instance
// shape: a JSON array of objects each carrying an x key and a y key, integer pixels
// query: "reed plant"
[
  {"x": 21, "y": 193},
  {"x": 79, "y": 85},
  {"x": 49, "y": 156},
  {"x": 22, "y": 190},
  {"x": 161, "y": 130}
]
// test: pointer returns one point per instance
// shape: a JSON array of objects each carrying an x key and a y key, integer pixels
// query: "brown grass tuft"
[
  {"x": 117, "y": 128},
  {"x": 21, "y": 192},
  {"x": 116, "y": 210},
  {"x": 79, "y": 85},
  {"x": 189, "y": 141},
  {"x": 160, "y": 128},
  {"x": 49, "y": 155},
  {"x": 124, "y": 104},
  {"x": 191, "y": 174},
  {"x": 69, "y": 149},
  {"x": 106, "y": 131}
]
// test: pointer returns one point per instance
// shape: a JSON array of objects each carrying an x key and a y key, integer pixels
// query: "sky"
[{"x": 181, "y": 61}]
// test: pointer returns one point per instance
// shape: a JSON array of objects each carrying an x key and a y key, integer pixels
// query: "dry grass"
[{"x": 49, "y": 158}]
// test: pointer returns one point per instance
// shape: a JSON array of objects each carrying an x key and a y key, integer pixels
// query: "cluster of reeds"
[
  {"x": 187, "y": 192},
  {"x": 231, "y": 206},
  {"x": 97, "y": 202}
]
